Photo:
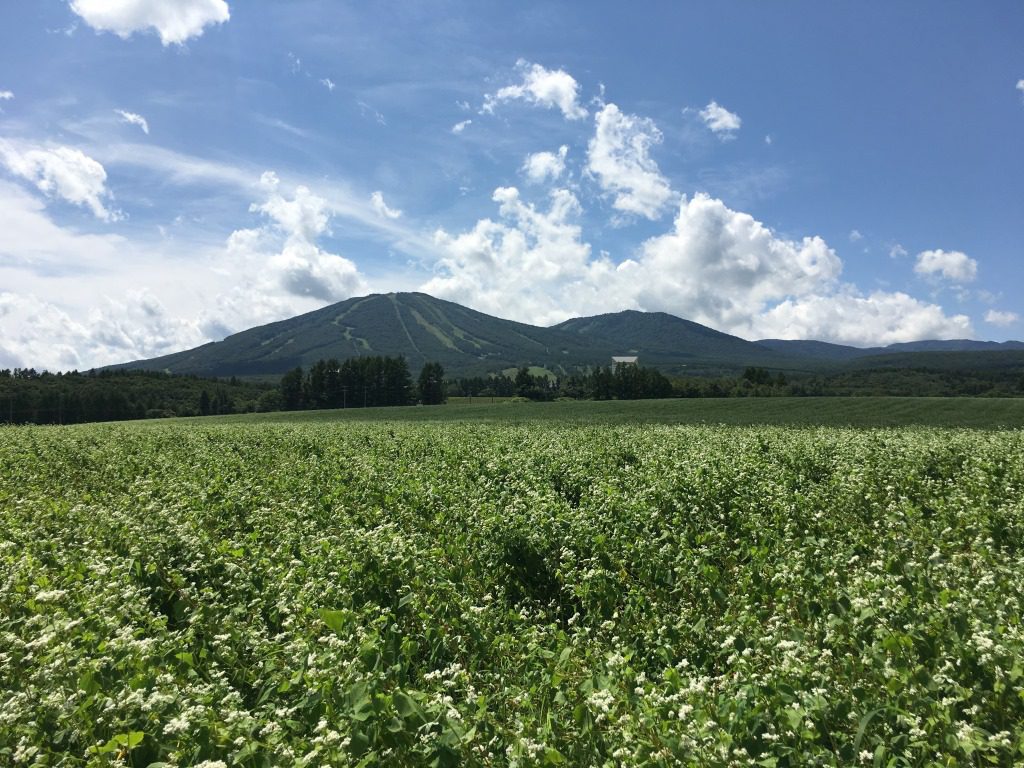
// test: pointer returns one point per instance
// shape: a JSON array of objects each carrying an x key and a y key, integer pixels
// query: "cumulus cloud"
[
  {"x": 897, "y": 251},
  {"x": 849, "y": 317},
  {"x": 133, "y": 119},
  {"x": 460, "y": 126},
  {"x": 855, "y": 235},
  {"x": 42, "y": 335},
  {"x": 720, "y": 120},
  {"x": 6, "y": 95},
  {"x": 618, "y": 156},
  {"x": 531, "y": 265},
  {"x": 1020, "y": 86},
  {"x": 953, "y": 266},
  {"x": 543, "y": 87},
  {"x": 1001, "y": 318},
  {"x": 63, "y": 172},
  {"x": 724, "y": 268},
  {"x": 175, "y": 22},
  {"x": 543, "y": 166},
  {"x": 377, "y": 201},
  {"x": 717, "y": 266},
  {"x": 300, "y": 268}
]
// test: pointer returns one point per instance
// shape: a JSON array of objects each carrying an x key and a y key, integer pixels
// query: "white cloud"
[
  {"x": 543, "y": 87},
  {"x": 175, "y": 22},
  {"x": 542, "y": 166},
  {"x": 62, "y": 171},
  {"x": 6, "y": 95},
  {"x": 849, "y": 317},
  {"x": 460, "y": 126},
  {"x": 1020, "y": 85},
  {"x": 237, "y": 182},
  {"x": 724, "y": 268},
  {"x": 367, "y": 111},
  {"x": 619, "y": 157},
  {"x": 377, "y": 201},
  {"x": 855, "y": 235},
  {"x": 768, "y": 139},
  {"x": 897, "y": 251},
  {"x": 40, "y": 334},
  {"x": 954, "y": 266},
  {"x": 300, "y": 268},
  {"x": 1000, "y": 318},
  {"x": 530, "y": 266},
  {"x": 133, "y": 119},
  {"x": 327, "y": 83},
  {"x": 716, "y": 266},
  {"x": 720, "y": 120},
  {"x": 30, "y": 241}
]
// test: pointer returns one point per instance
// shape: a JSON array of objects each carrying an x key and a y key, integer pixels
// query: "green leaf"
[
  {"x": 553, "y": 757},
  {"x": 863, "y": 727},
  {"x": 335, "y": 620}
]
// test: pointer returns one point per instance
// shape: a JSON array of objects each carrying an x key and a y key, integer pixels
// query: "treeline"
[
  {"x": 891, "y": 382},
  {"x": 31, "y": 397},
  {"x": 360, "y": 382},
  {"x": 622, "y": 382}
]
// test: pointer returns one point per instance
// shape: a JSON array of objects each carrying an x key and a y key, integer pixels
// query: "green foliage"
[
  {"x": 29, "y": 397},
  {"x": 432, "y": 387},
  {"x": 546, "y": 594},
  {"x": 359, "y": 382}
]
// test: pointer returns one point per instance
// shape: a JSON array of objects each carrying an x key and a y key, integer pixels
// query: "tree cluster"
[
  {"x": 358, "y": 382},
  {"x": 622, "y": 382},
  {"x": 31, "y": 397}
]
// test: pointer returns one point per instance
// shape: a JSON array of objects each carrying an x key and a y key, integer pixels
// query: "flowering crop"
[{"x": 431, "y": 594}]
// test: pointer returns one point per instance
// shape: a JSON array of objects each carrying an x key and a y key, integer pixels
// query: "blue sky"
[{"x": 174, "y": 172}]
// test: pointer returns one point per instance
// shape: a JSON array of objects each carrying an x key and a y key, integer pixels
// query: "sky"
[{"x": 173, "y": 172}]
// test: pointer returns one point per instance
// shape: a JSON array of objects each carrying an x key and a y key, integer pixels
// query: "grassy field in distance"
[{"x": 979, "y": 413}]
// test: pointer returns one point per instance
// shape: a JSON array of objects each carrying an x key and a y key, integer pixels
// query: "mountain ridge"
[{"x": 467, "y": 342}]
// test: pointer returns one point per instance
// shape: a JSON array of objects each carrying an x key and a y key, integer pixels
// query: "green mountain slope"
[
  {"x": 421, "y": 328},
  {"x": 670, "y": 342},
  {"x": 466, "y": 342}
]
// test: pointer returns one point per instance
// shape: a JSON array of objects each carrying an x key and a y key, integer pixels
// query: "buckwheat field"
[{"x": 492, "y": 595}]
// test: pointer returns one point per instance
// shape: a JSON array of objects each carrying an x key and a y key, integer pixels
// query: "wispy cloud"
[
  {"x": 461, "y": 126},
  {"x": 367, "y": 111},
  {"x": 133, "y": 119},
  {"x": 377, "y": 201},
  {"x": 1002, "y": 319}
]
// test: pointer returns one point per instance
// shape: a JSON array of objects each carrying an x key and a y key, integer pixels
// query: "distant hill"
[
  {"x": 823, "y": 350},
  {"x": 669, "y": 341},
  {"x": 421, "y": 328}
]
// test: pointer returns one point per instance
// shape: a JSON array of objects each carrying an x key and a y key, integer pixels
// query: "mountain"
[
  {"x": 421, "y": 328},
  {"x": 823, "y": 350},
  {"x": 466, "y": 342},
  {"x": 669, "y": 341}
]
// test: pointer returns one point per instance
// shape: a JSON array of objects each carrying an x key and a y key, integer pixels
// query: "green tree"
[
  {"x": 291, "y": 389},
  {"x": 431, "y": 384}
]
